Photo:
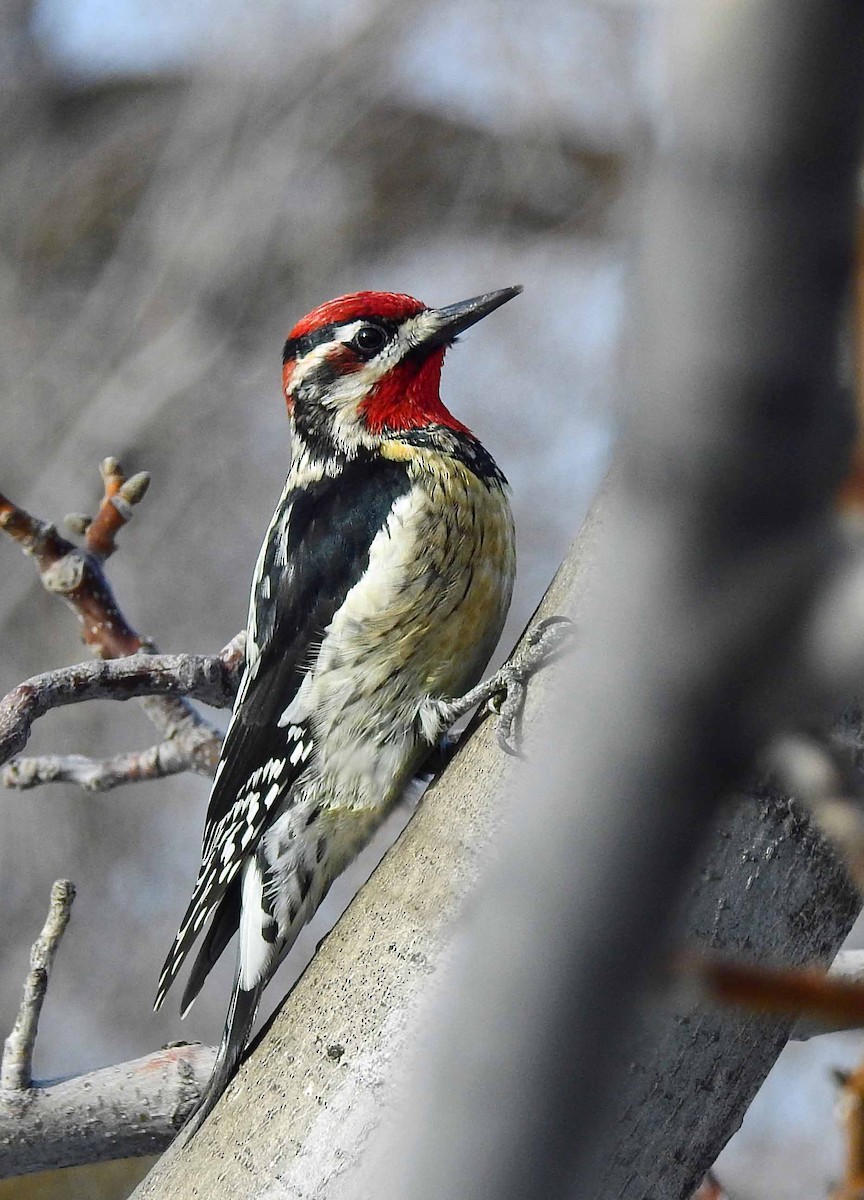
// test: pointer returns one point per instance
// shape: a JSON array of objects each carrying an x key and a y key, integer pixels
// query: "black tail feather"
[
  {"x": 238, "y": 1030},
  {"x": 222, "y": 929}
]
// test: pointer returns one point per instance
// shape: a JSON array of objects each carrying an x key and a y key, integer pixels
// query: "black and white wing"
[{"x": 316, "y": 549}]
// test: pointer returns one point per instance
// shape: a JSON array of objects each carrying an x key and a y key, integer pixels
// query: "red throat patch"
[{"x": 408, "y": 398}]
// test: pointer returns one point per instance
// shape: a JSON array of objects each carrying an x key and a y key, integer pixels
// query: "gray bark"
[
  {"x": 302, "y": 1108},
  {"x": 129, "y": 1110}
]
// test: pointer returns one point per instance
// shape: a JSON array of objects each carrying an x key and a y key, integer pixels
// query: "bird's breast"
[{"x": 421, "y": 622}]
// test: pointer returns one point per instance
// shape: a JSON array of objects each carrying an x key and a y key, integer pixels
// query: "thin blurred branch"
[
  {"x": 827, "y": 1001},
  {"x": 711, "y": 1189},
  {"x": 850, "y": 1112}
]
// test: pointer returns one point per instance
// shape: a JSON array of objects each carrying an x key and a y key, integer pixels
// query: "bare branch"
[
  {"x": 130, "y": 1109},
  {"x": 205, "y": 678},
  {"x": 17, "y": 1062},
  {"x": 191, "y": 744},
  {"x": 103, "y": 774},
  {"x": 115, "y": 509},
  {"x": 76, "y": 574},
  {"x": 125, "y": 1111}
]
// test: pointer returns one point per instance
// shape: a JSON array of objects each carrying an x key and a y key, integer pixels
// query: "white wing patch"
[
  {"x": 300, "y": 707},
  {"x": 226, "y": 847},
  {"x": 256, "y": 951}
]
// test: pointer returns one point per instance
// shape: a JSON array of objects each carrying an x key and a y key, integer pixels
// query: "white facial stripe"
[{"x": 416, "y": 329}]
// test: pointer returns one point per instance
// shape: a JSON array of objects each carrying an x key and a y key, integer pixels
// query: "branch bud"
[
  {"x": 77, "y": 523},
  {"x": 110, "y": 467},
  {"x": 135, "y": 488}
]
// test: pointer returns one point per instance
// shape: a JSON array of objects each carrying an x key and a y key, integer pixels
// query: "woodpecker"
[{"x": 378, "y": 597}]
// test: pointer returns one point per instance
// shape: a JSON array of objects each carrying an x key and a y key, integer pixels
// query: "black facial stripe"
[
  {"x": 295, "y": 348},
  {"x": 298, "y": 346}
]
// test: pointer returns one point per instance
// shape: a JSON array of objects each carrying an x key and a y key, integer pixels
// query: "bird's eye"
[{"x": 369, "y": 339}]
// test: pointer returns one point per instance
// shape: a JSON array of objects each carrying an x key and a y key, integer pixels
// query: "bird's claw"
[{"x": 543, "y": 644}]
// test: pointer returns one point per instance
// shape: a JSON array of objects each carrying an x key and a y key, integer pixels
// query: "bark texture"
[{"x": 134, "y": 1108}]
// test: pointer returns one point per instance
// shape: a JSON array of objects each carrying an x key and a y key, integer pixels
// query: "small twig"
[
  {"x": 115, "y": 509},
  {"x": 206, "y": 678},
  {"x": 77, "y": 576},
  {"x": 17, "y": 1062}
]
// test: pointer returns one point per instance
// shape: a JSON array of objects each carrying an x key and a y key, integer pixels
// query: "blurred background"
[{"x": 179, "y": 183}]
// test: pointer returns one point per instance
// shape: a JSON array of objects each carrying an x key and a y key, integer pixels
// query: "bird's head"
[{"x": 368, "y": 365}]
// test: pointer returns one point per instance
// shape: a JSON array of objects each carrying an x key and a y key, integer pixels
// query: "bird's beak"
[{"x": 445, "y": 324}]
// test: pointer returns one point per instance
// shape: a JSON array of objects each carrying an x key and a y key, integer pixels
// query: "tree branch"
[
  {"x": 103, "y": 774},
  {"x": 115, "y": 509},
  {"x": 76, "y": 574},
  {"x": 125, "y": 1111},
  {"x": 17, "y": 1063},
  {"x": 210, "y": 679},
  {"x": 300, "y": 1117},
  {"x": 130, "y": 1109}
]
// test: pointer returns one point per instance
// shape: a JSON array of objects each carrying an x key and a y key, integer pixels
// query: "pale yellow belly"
[{"x": 422, "y": 622}]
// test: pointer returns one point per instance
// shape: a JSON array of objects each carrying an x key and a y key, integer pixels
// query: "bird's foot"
[{"x": 506, "y": 690}]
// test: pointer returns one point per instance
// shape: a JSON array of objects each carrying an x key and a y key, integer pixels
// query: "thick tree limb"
[
  {"x": 720, "y": 534},
  {"x": 300, "y": 1117}
]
